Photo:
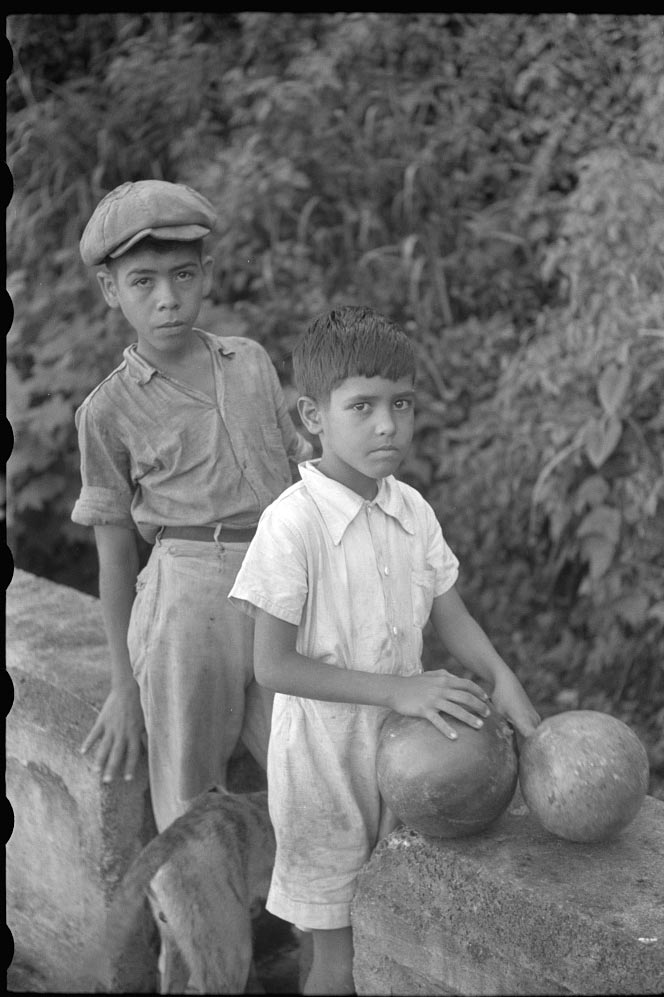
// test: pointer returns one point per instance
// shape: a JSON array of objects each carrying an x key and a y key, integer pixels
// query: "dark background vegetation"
[{"x": 494, "y": 182}]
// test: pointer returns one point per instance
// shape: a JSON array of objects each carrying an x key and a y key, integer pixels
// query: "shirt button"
[
  {"x": 395, "y": 631},
  {"x": 386, "y": 570}
]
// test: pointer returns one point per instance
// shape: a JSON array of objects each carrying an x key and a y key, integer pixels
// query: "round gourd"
[
  {"x": 584, "y": 775},
  {"x": 442, "y": 787}
]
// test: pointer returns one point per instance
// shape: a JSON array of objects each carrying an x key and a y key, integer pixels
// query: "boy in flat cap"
[{"x": 186, "y": 442}]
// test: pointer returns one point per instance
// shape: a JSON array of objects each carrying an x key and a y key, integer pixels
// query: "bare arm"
[
  {"x": 118, "y": 729},
  {"x": 278, "y": 666},
  {"x": 467, "y": 642}
]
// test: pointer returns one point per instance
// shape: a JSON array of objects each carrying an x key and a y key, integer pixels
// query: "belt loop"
[{"x": 217, "y": 531}]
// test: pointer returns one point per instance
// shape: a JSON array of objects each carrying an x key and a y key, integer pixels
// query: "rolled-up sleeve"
[{"x": 106, "y": 493}]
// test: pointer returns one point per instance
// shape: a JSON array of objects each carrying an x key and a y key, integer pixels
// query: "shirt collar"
[
  {"x": 339, "y": 505},
  {"x": 142, "y": 371}
]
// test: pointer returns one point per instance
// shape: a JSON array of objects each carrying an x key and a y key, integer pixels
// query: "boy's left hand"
[{"x": 509, "y": 697}]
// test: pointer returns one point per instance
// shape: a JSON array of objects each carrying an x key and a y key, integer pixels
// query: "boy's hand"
[
  {"x": 430, "y": 693},
  {"x": 119, "y": 729},
  {"x": 509, "y": 697}
]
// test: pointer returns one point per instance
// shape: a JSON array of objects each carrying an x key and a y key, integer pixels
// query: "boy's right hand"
[
  {"x": 119, "y": 731},
  {"x": 430, "y": 693}
]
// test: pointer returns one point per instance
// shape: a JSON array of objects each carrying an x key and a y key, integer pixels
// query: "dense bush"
[
  {"x": 495, "y": 182},
  {"x": 566, "y": 536}
]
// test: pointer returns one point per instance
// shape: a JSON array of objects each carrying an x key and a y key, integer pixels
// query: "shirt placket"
[
  {"x": 235, "y": 434},
  {"x": 241, "y": 451},
  {"x": 378, "y": 527}
]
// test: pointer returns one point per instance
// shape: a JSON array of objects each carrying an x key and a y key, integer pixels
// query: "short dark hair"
[
  {"x": 350, "y": 341},
  {"x": 158, "y": 246}
]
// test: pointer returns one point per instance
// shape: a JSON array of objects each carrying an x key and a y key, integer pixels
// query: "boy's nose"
[
  {"x": 166, "y": 297},
  {"x": 386, "y": 426}
]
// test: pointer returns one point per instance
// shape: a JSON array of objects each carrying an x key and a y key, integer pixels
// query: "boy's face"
[
  {"x": 160, "y": 295},
  {"x": 365, "y": 429}
]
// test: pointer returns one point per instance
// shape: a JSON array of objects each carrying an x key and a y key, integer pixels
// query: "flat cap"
[{"x": 137, "y": 209}]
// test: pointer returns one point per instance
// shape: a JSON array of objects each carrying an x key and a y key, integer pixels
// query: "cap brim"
[{"x": 175, "y": 233}]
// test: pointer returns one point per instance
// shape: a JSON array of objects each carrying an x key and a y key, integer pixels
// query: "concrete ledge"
[
  {"x": 513, "y": 910},
  {"x": 73, "y": 837}
]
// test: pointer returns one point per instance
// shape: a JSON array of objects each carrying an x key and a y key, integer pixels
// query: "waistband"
[{"x": 220, "y": 534}]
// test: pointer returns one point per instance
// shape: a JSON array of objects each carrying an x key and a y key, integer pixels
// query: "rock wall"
[
  {"x": 73, "y": 837},
  {"x": 513, "y": 910}
]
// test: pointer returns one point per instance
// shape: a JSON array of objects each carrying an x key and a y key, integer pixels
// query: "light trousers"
[{"x": 192, "y": 656}]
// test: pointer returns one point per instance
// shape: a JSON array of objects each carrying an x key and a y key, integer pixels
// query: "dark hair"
[
  {"x": 158, "y": 246},
  {"x": 350, "y": 341}
]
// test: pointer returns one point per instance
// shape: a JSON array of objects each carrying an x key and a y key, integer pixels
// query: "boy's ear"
[
  {"x": 207, "y": 275},
  {"x": 310, "y": 414},
  {"x": 108, "y": 287}
]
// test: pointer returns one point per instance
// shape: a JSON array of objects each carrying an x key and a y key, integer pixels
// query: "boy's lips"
[{"x": 386, "y": 452}]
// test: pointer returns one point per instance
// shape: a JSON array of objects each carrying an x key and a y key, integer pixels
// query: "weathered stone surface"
[
  {"x": 73, "y": 836},
  {"x": 513, "y": 910},
  {"x": 56, "y": 633}
]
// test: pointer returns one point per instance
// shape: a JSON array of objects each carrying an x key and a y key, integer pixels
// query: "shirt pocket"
[
  {"x": 422, "y": 587},
  {"x": 158, "y": 455}
]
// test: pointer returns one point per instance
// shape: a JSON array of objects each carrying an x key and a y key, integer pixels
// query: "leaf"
[
  {"x": 633, "y": 609},
  {"x": 567, "y": 699},
  {"x": 656, "y": 612},
  {"x": 38, "y": 492},
  {"x": 602, "y": 521},
  {"x": 601, "y": 437},
  {"x": 598, "y": 552},
  {"x": 590, "y": 492},
  {"x": 29, "y": 458},
  {"x": 53, "y": 413},
  {"x": 612, "y": 387},
  {"x": 559, "y": 517}
]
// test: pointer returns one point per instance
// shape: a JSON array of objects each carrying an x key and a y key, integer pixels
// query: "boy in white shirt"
[{"x": 345, "y": 569}]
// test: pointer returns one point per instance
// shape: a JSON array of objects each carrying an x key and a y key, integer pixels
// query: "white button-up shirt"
[{"x": 358, "y": 578}]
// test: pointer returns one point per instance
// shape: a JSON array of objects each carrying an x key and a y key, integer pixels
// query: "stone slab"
[
  {"x": 56, "y": 633},
  {"x": 513, "y": 910},
  {"x": 73, "y": 837}
]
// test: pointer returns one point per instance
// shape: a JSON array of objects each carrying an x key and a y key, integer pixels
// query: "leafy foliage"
[
  {"x": 494, "y": 182},
  {"x": 568, "y": 463}
]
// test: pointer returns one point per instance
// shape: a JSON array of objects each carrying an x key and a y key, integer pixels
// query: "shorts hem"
[{"x": 309, "y": 916}]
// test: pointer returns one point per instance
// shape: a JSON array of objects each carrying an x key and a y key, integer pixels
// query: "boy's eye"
[
  {"x": 185, "y": 275},
  {"x": 360, "y": 406},
  {"x": 403, "y": 403}
]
